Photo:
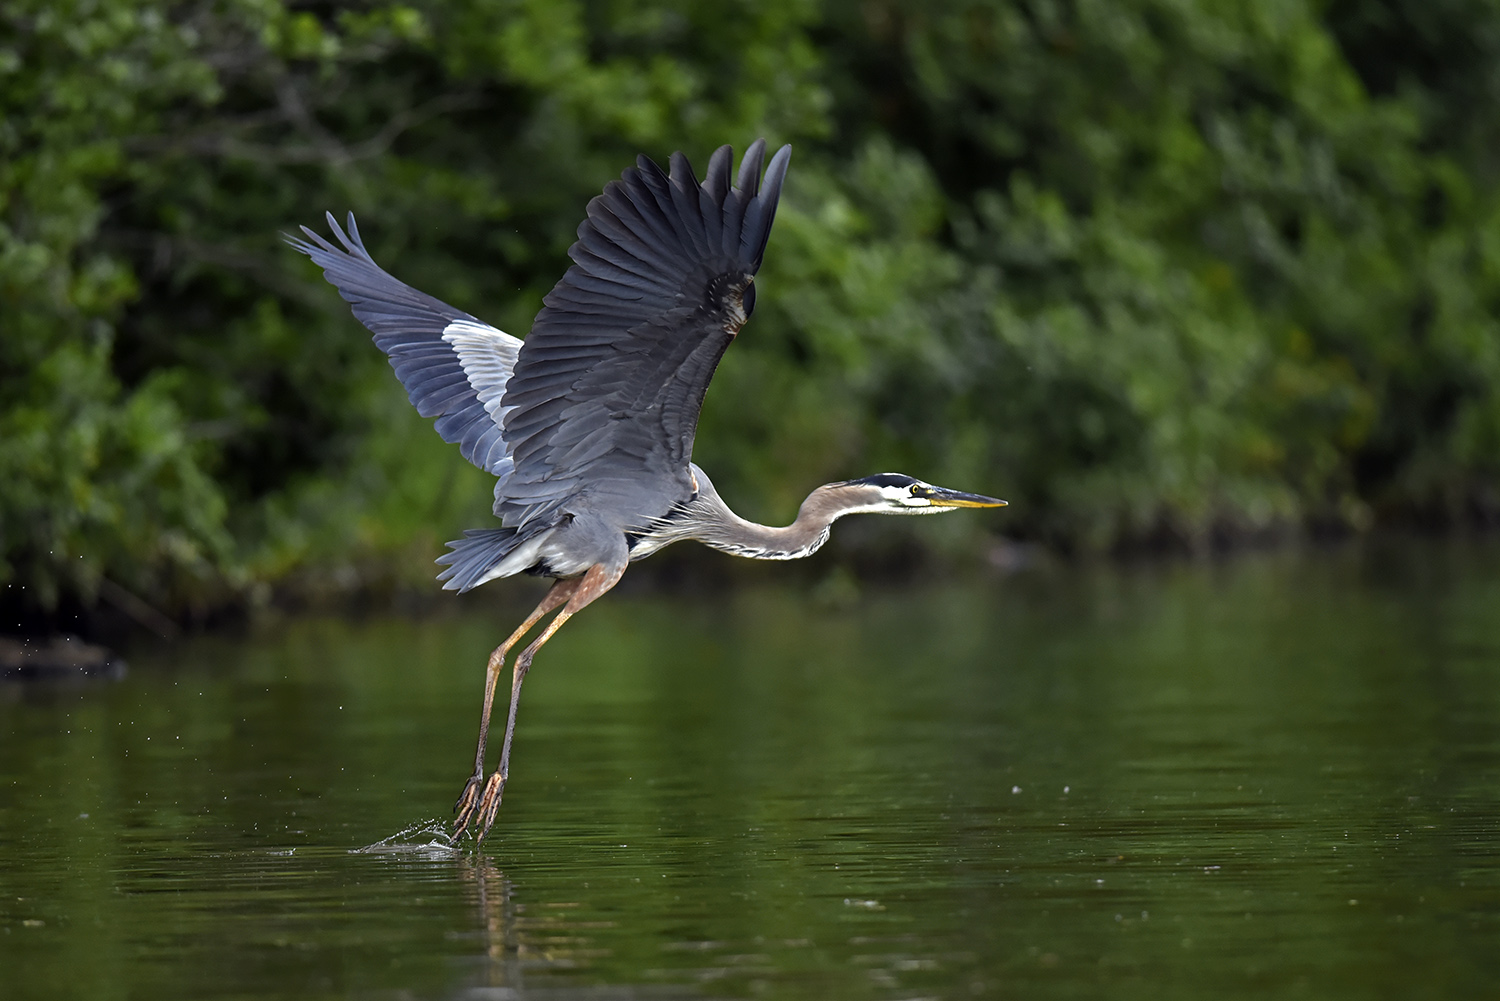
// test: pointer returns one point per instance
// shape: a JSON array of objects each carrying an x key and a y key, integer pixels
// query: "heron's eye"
[{"x": 917, "y": 490}]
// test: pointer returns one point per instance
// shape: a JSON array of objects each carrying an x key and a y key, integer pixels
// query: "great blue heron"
[{"x": 588, "y": 425}]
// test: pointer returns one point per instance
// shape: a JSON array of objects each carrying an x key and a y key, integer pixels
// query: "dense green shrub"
[{"x": 1152, "y": 269}]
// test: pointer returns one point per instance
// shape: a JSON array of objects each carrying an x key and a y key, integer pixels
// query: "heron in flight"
[{"x": 588, "y": 424}]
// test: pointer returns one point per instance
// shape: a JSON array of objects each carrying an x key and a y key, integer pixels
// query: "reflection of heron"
[
  {"x": 589, "y": 424},
  {"x": 498, "y": 925}
]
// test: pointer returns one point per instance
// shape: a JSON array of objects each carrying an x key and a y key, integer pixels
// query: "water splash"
[{"x": 425, "y": 837}]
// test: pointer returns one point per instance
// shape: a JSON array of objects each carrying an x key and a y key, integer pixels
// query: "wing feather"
[
  {"x": 686, "y": 205},
  {"x": 603, "y": 405},
  {"x": 454, "y": 367},
  {"x": 711, "y": 196},
  {"x": 626, "y": 249},
  {"x": 617, "y": 265}
]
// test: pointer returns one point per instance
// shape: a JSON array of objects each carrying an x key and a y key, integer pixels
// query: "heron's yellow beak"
[{"x": 942, "y": 497}]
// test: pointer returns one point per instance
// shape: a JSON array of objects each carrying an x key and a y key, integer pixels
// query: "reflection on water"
[{"x": 1276, "y": 775}]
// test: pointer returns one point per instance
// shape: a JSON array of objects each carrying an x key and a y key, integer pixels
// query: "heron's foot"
[
  {"x": 468, "y": 800},
  {"x": 478, "y": 809},
  {"x": 489, "y": 805}
]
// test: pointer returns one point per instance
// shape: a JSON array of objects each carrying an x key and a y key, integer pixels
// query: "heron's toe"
[
  {"x": 489, "y": 805},
  {"x": 467, "y": 804}
]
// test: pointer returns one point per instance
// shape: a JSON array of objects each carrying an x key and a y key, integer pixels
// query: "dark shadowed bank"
[{"x": 1176, "y": 273}]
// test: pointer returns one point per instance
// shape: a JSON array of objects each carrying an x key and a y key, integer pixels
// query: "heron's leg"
[
  {"x": 469, "y": 798},
  {"x": 599, "y": 579}
]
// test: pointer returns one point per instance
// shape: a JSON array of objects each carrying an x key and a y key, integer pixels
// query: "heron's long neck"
[{"x": 727, "y": 531}]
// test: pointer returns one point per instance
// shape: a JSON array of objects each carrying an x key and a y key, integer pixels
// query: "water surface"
[{"x": 1276, "y": 775}]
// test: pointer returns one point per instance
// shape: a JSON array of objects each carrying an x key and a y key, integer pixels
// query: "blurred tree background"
[{"x": 1172, "y": 272}]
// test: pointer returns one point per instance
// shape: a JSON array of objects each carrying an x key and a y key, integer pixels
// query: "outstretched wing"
[
  {"x": 454, "y": 367},
  {"x": 606, "y": 393}
]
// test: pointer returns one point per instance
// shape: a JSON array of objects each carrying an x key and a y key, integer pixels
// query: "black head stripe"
[{"x": 885, "y": 480}]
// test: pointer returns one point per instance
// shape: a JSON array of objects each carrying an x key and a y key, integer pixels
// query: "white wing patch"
[{"x": 488, "y": 357}]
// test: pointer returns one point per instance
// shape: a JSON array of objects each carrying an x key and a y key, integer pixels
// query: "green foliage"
[
  {"x": 99, "y": 477},
  {"x": 1212, "y": 281},
  {"x": 1148, "y": 268}
]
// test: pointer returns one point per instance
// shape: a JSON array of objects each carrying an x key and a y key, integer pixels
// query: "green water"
[{"x": 1277, "y": 776}]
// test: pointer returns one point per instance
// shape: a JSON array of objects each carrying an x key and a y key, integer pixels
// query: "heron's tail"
[{"x": 478, "y": 557}]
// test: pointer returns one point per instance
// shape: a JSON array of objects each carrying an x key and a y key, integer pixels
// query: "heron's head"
[{"x": 897, "y": 493}]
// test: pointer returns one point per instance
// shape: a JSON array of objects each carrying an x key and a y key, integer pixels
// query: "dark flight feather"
[{"x": 607, "y": 390}]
